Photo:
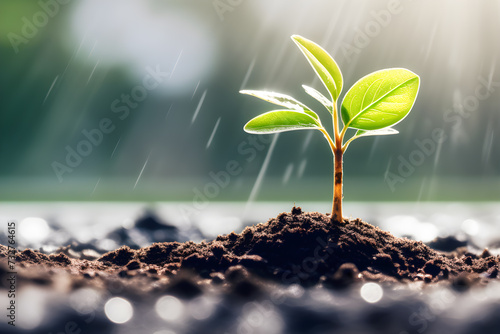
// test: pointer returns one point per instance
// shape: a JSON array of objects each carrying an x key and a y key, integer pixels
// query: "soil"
[{"x": 303, "y": 248}]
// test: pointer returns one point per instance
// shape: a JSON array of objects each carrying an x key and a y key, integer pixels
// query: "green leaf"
[
  {"x": 319, "y": 97},
  {"x": 380, "y": 99},
  {"x": 363, "y": 133},
  {"x": 324, "y": 65},
  {"x": 281, "y": 100},
  {"x": 279, "y": 121},
  {"x": 379, "y": 132},
  {"x": 277, "y": 98}
]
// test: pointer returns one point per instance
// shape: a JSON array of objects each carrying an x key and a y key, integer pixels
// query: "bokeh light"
[
  {"x": 169, "y": 308},
  {"x": 371, "y": 292},
  {"x": 33, "y": 229},
  {"x": 118, "y": 310}
]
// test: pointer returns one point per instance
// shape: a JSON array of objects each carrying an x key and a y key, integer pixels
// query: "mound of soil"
[{"x": 293, "y": 248}]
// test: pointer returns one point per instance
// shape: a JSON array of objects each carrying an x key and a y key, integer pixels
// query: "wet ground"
[{"x": 368, "y": 307}]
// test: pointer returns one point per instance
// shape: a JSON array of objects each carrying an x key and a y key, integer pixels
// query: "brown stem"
[{"x": 337, "y": 186}]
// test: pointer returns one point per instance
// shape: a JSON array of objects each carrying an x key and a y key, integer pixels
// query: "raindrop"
[
  {"x": 371, "y": 292},
  {"x": 168, "y": 111},
  {"x": 118, "y": 310},
  {"x": 213, "y": 133},
  {"x": 169, "y": 308},
  {"x": 247, "y": 75},
  {"x": 176, "y": 62},
  {"x": 34, "y": 229},
  {"x": 488, "y": 141},
  {"x": 373, "y": 148},
  {"x": 302, "y": 168},
  {"x": 92, "y": 50},
  {"x": 93, "y": 70},
  {"x": 195, "y": 89},
  {"x": 118, "y": 142},
  {"x": 307, "y": 141},
  {"x": 288, "y": 173},
  {"x": 438, "y": 153},
  {"x": 93, "y": 191},
  {"x": 199, "y": 106},
  {"x": 142, "y": 170},
  {"x": 50, "y": 89}
]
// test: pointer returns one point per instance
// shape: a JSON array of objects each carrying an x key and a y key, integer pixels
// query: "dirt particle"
[
  {"x": 60, "y": 258},
  {"x": 218, "y": 249},
  {"x": 296, "y": 210},
  {"x": 246, "y": 289},
  {"x": 236, "y": 273},
  {"x": 184, "y": 287},
  {"x": 433, "y": 267},
  {"x": 464, "y": 281},
  {"x": 486, "y": 253},
  {"x": 346, "y": 275},
  {"x": 132, "y": 265},
  {"x": 120, "y": 257},
  {"x": 217, "y": 278}
]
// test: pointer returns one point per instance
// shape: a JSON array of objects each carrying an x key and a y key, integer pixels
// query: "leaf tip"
[
  {"x": 297, "y": 39},
  {"x": 246, "y": 128}
]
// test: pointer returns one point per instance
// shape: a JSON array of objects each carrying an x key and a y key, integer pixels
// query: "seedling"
[{"x": 371, "y": 107}]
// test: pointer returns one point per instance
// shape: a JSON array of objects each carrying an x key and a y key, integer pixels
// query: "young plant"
[{"x": 371, "y": 106}]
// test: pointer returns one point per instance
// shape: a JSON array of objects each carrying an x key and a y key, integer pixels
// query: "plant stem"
[
  {"x": 337, "y": 186},
  {"x": 337, "y": 170}
]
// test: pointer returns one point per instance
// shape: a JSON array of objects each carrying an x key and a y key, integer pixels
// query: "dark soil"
[{"x": 293, "y": 248}]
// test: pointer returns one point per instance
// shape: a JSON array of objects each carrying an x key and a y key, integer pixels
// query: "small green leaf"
[
  {"x": 277, "y": 98},
  {"x": 319, "y": 97},
  {"x": 379, "y": 132},
  {"x": 380, "y": 99},
  {"x": 281, "y": 100},
  {"x": 279, "y": 121},
  {"x": 363, "y": 133},
  {"x": 324, "y": 65}
]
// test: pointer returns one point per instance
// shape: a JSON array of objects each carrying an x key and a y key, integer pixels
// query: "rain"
[
  {"x": 247, "y": 75},
  {"x": 92, "y": 73},
  {"x": 83, "y": 174},
  {"x": 50, "y": 89},
  {"x": 213, "y": 133},
  {"x": 142, "y": 170},
  {"x": 287, "y": 173},
  {"x": 200, "y": 103}
]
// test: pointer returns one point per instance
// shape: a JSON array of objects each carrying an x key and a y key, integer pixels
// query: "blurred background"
[{"x": 138, "y": 100}]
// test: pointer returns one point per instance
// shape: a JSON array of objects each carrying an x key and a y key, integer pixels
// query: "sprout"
[{"x": 371, "y": 106}]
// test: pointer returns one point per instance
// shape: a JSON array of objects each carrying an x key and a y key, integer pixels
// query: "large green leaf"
[
  {"x": 380, "y": 99},
  {"x": 279, "y": 121},
  {"x": 319, "y": 97},
  {"x": 281, "y": 100},
  {"x": 324, "y": 65}
]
